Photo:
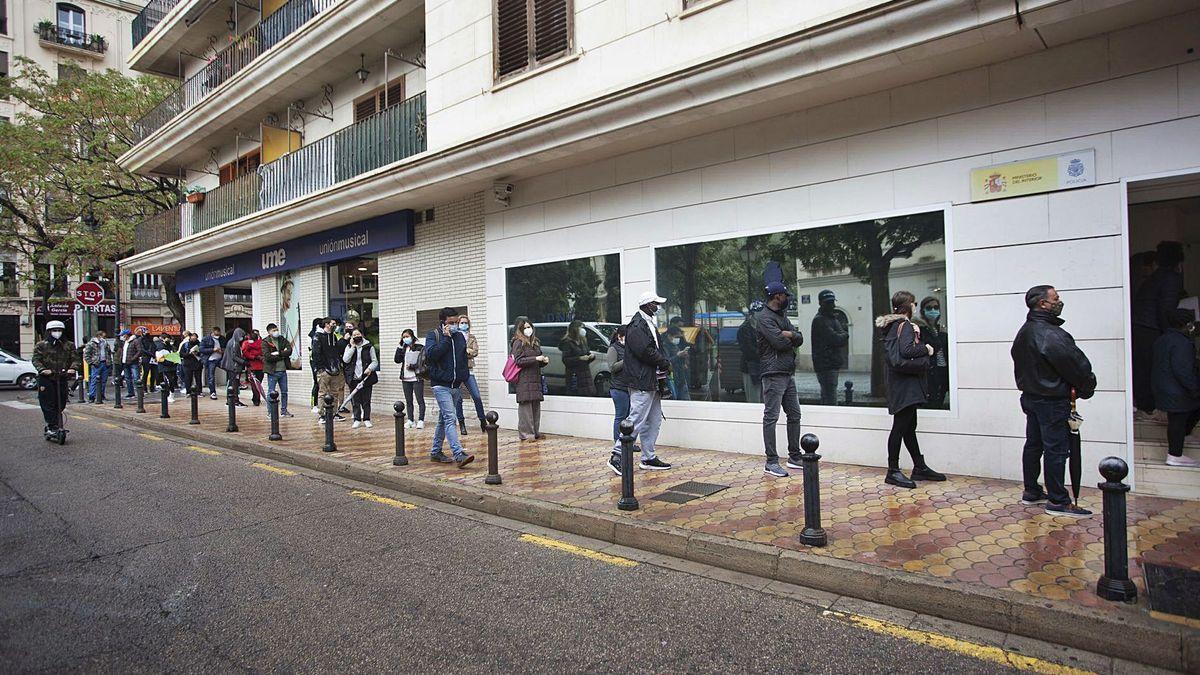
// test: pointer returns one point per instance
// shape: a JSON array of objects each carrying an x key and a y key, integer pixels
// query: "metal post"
[
  {"x": 120, "y": 381},
  {"x": 162, "y": 398},
  {"x": 273, "y": 411},
  {"x": 399, "y": 459},
  {"x": 627, "y": 502},
  {"x": 849, "y": 393},
  {"x": 231, "y": 402},
  {"x": 194, "y": 393},
  {"x": 1115, "y": 584},
  {"x": 141, "y": 395},
  {"x": 812, "y": 534},
  {"x": 84, "y": 379},
  {"x": 490, "y": 427},
  {"x": 330, "y": 446},
  {"x": 101, "y": 388}
]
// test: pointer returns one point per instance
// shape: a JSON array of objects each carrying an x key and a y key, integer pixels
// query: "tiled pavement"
[{"x": 969, "y": 530}]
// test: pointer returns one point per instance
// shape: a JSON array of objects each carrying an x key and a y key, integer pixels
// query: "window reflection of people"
[
  {"x": 618, "y": 387},
  {"x": 289, "y": 314},
  {"x": 935, "y": 335},
  {"x": 577, "y": 359},
  {"x": 747, "y": 337},
  {"x": 678, "y": 350},
  {"x": 829, "y": 338}
]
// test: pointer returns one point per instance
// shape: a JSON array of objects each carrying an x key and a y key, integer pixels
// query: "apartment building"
[{"x": 556, "y": 158}]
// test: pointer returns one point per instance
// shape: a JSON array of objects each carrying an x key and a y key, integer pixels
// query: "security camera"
[{"x": 503, "y": 192}]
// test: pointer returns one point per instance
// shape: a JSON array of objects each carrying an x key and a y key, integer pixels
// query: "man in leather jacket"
[{"x": 1048, "y": 366}]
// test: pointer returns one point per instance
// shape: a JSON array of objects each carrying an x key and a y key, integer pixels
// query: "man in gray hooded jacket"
[{"x": 777, "y": 343}]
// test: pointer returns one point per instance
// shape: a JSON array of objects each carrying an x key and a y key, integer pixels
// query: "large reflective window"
[
  {"x": 575, "y": 306},
  {"x": 714, "y": 289}
]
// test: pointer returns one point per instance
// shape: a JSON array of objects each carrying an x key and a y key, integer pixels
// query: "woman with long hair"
[
  {"x": 618, "y": 388},
  {"x": 577, "y": 358},
  {"x": 526, "y": 351},
  {"x": 407, "y": 354},
  {"x": 907, "y": 359},
  {"x": 933, "y": 333},
  {"x": 312, "y": 367}
]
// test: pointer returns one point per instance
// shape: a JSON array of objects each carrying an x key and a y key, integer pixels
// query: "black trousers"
[
  {"x": 361, "y": 405},
  {"x": 1180, "y": 425},
  {"x": 52, "y": 409},
  {"x": 1047, "y": 445},
  {"x": 1142, "y": 344},
  {"x": 904, "y": 428},
  {"x": 193, "y": 379},
  {"x": 418, "y": 389}
]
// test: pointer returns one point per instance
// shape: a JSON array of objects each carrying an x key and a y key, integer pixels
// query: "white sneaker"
[
  {"x": 170, "y": 398},
  {"x": 409, "y": 424},
  {"x": 316, "y": 410},
  {"x": 356, "y": 424},
  {"x": 1182, "y": 460},
  {"x": 420, "y": 424},
  {"x": 367, "y": 424}
]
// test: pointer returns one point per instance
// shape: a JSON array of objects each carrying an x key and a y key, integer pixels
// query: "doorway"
[{"x": 354, "y": 294}]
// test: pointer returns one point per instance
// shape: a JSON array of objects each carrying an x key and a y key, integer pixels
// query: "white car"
[
  {"x": 550, "y": 334},
  {"x": 16, "y": 370}
]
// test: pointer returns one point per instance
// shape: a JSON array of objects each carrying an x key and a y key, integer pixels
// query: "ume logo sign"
[{"x": 276, "y": 258}]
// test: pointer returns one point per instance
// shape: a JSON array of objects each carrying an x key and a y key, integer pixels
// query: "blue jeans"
[
  {"x": 447, "y": 423},
  {"x": 280, "y": 379},
  {"x": 131, "y": 372},
  {"x": 473, "y": 388},
  {"x": 1046, "y": 442},
  {"x": 99, "y": 375},
  {"x": 620, "y": 399},
  {"x": 210, "y": 375}
]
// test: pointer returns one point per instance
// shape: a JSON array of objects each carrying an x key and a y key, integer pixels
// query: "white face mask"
[
  {"x": 464, "y": 327},
  {"x": 528, "y": 331},
  {"x": 274, "y": 333},
  {"x": 56, "y": 334}
]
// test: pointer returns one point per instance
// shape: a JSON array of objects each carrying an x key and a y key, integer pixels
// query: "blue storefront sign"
[{"x": 381, "y": 233}]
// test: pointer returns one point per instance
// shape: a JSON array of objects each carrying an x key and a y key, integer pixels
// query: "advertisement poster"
[{"x": 289, "y": 314}]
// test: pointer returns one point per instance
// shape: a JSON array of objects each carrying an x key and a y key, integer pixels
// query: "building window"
[
  {"x": 248, "y": 163},
  {"x": 529, "y": 33},
  {"x": 3, "y": 66},
  {"x": 3, "y": 17},
  {"x": 49, "y": 279},
  {"x": 8, "y": 280},
  {"x": 712, "y": 288},
  {"x": 71, "y": 26},
  {"x": 145, "y": 287},
  {"x": 575, "y": 307},
  {"x": 379, "y": 99},
  {"x": 354, "y": 294}
]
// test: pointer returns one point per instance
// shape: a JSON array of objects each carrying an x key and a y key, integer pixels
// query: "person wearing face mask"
[
  {"x": 53, "y": 357},
  {"x": 1153, "y": 303},
  {"x": 1048, "y": 368},
  {"x": 252, "y": 351},
  {"x": 189, "y": 360},
  {"x": 747, "y": 338},
  {"x": 276, "y": 355},
  {"x": 778, "y": 340},
  {"x": 577, "y": 359},
  {"x": 128, "y": 358},
  {"x": 618, "y": 388},
  {"x": 314, "y": 335},
  {"x": 163, "y": 347},
  {"x": 934, "y": 335},
  {"x": 407, "y": 355},
  {"x": 234, "y": 364},
  {"x": 829, "y": 339},
  {"x": 679, "y": 351},
  {"x": 211, "y": 351},
  {"x": 361, "y": 365},
  {"x": 343, "y": 342},
  {"x": 526, "y": 351},
  {"x": 98, "y": 355},
  {"x": 328, "y": 362},
  {"x": 446, "y": 362},
  {"x": 645, "y": 360},
  {"x": 471, "y": 385},
  {"x": 1176, "y": 385}
]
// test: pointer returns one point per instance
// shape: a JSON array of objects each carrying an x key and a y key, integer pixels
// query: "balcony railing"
[
  {"x": 145, "y": 292},
  {"x": 230, "y": 61},
  {"x": 163, "y": 228},
  {"x": 150, "y": 16},
  {"x": 381, "y": 139},
  {"x": 68, "y": 38}
]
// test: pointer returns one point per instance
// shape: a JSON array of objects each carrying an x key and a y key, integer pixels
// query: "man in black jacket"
[
  {"x": 1048, "y": 367},
  {"x": 829, "y": 338},
  {"x": 1153, "y": 303},
  {"x": 777, "y": 343},
  {"x": 645, "y": 364},
  {"x": 328, "y": 363},
  {"x": 747, "y": 337}
]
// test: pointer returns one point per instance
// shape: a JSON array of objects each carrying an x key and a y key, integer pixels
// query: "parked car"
[
  {"x": 598, "y": 336},
  {"x": 16, "y": 370}
]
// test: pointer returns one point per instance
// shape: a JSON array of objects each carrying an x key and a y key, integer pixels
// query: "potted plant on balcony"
[
  {"x": 98, "y": 41},
  {"x": 195, "y": 195},
  {"x": 45, "y": 29}
]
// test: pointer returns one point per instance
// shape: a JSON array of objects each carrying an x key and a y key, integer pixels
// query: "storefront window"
[
  {"x": 354, "y": 294},
  {"x": 583, "y": 294},
  {"x": 712, "y": 286}
]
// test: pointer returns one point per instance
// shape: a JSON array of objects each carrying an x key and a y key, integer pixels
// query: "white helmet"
[{"x": 55, "y": 325}]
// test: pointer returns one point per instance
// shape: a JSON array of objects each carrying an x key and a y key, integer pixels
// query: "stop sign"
[{"x": 89, "y": 294}]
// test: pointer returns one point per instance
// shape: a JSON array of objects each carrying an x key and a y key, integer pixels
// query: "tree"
[
  {"x": 64, "y": 199},
  {"x": 711, "y": 271}
]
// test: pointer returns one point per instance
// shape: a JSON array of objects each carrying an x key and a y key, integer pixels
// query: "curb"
[{"x": 1125, "y": 635}]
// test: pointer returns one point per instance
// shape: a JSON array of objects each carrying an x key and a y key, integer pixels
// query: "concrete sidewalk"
[{"x": 965, "y": 549}]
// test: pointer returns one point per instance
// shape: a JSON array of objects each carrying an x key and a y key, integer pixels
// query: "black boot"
[
  {"x": 462, "y": 428},
  {"x": 896, "y": 477},
  {"x": 922, "y": 472}
]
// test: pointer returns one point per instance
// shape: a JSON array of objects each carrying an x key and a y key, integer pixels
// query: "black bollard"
[
  {"x": 141, "y": 395},
  {"x": 194, "y": 394},
  {"x": 1115, "y": 584},
  {"x": 627, "y": 502},
  {"x": 83, "y": 385},
  {"x": 812, "y": 534},
  {"x": 273, "y": 411},
  {"x": 490, "y": 427},
  {"x": 120, "y": 382},
  {"x": 400, "y": 459},
  {"x": 330, "y": 446},
  {"x": 162, "y": 398},
  {"x": 231, "y": 402},
  {"x": 849, "y": 393}
]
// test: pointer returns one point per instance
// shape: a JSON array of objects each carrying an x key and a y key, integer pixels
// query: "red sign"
[
  {"x": 89, "y": 293},
  {"x": 158, "y": 328},
  {"x": 103, "y": 308}
]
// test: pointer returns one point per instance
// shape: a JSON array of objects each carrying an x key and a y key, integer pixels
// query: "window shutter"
[
  {"x": 552, "y": 35},
  {"x": 365, "y": 108},
  {"x": 395, "y": 94},
  {"x": 512, "y": 36}
]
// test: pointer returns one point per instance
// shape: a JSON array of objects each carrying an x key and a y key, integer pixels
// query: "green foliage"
[
  {"x": 712, "y": 272},
  {"x": 557, "y": 290}
]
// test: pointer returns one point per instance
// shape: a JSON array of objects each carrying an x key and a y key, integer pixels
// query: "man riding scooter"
[{"x": 55, "y": 361}]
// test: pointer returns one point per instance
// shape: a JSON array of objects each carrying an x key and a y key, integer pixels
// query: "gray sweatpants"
[
  {"x": 780, "y": 391},
  {"x": 645, "y": 411}
]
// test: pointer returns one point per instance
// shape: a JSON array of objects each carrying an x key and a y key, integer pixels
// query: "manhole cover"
[
  {"x": 702, "y": 489},
  {"x": 675, "y": 497},
  {"x": 1173, "y": 590}
]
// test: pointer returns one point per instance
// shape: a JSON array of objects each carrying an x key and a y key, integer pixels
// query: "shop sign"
[
  {"x": 103, "y": 308},
  {"x": 156, "y": 328},
  {"x": 1034, "y": 176},
  {"x": 381, "y": 233}
]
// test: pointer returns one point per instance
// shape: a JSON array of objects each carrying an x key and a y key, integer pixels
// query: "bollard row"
[
  {"x": 273, "y": 412},
  {"x": 490, "y": 426}
]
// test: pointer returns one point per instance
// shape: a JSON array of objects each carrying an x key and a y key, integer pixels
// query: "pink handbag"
[{"x": 511, "y": 370}]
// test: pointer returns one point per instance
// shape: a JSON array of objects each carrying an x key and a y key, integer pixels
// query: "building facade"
[{"x": 556, "y": 159}]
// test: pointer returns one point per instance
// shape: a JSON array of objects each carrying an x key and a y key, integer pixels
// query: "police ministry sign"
[
  {"x": 381, "y": 233},
  {"x": 1034, "y": 176}
]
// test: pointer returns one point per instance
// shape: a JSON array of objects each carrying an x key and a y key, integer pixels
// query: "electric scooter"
[{"x": 59, "y": 435}]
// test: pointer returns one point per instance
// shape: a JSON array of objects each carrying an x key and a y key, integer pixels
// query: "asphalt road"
[{"x": 120, "y": 552}]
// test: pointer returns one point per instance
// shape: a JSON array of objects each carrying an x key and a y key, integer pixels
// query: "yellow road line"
[
  {"x": 273, "y": 469},
  {"x": 988, "y": 653},
  {"x": 578, "y": 550},
  {"x": 1175, "y": 618},
  {"x": 203, "y": 451},
  {"x": 151, "y": 437},
  {"x": 380, "y": 499},
  {"x": 110, "y": 425},
  {"x": 81, "y": 417}
]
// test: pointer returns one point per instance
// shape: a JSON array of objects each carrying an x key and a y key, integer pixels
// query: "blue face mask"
[{"x": 933, "y": 314}]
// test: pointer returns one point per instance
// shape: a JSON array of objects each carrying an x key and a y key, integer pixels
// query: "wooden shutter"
[
  {"x": 512, "y": 36},
  {"x": 365, "y": 107},
  {"x": 551, "y": 28},
  {"x": 395, "y": 94}
]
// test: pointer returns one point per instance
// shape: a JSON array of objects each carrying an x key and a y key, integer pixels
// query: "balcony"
[
  {"x": 230, "y": 61},
  {"x": 163, "y": 228},
  {"x": 74, "y": 42},
  {"x": 145, "y": 293},
  {"x": 149, "y": 17}
]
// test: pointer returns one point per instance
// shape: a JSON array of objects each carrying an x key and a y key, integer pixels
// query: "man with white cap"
[
  {"x": 645, "y": 364},
  {"x": 53, "y": 358}
]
